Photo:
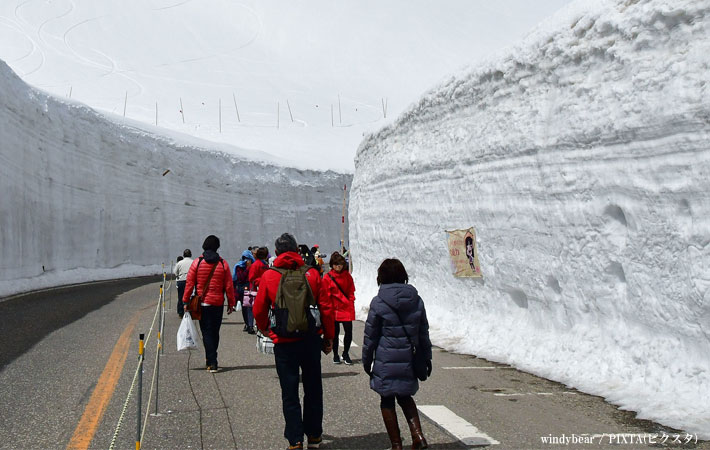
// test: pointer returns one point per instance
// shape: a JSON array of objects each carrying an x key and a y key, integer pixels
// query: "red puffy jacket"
[
  {"x": 268, "y": 286},
  {"x": 343, "y": 301},
  {"x": 220, "y": 283},
  {"x": 256, "y": 270}
]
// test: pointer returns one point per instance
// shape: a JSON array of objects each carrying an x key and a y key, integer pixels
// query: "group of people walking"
[{"x": 302, "y": 311}]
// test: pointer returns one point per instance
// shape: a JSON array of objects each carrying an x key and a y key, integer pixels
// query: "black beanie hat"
[{"x": 211, "y": 243}]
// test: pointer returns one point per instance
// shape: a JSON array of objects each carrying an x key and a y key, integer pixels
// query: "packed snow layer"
[
  {"x": 582, "y": 159},
  {"x": 85, "y": 197}
]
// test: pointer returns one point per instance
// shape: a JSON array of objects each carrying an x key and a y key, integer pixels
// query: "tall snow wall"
[
  {"x": 84, "y": 197},
  {"x": 582, "y": 159}
]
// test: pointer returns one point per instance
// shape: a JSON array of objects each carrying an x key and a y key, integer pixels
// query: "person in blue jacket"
[{"x": 396, "y": 307}]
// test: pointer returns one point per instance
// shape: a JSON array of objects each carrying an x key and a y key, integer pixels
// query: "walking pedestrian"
[
  {"x": 396, "y": 322},
  {"x": 211, "y": 274},
  {"x": 255, "y": 272},
  {"x": 339, "y": 285},
  {"x": 294, "y": 354},
  {"x": 180, "y": 271},
  {"x": 240, "y": 280}
]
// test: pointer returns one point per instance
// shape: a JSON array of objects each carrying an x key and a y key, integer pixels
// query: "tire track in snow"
[
  {"x": 250, "y": 41},
  {"x": 17, "y": 27},
  {"x": 72, "y": 6}
]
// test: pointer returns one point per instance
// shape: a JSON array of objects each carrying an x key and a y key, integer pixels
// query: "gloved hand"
[
  {"x": 428, "y": 368},
  {"x": 368, "y": 369}
]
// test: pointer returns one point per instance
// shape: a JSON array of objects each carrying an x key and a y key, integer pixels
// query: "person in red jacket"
[
  {"x": 213, "y": 301},
  {"x": 339, "y": 285},
  {"x": 292, "y": 354},
  {"x": 256, "y": 270}
]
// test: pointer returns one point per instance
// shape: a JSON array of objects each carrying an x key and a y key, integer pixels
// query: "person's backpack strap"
[
  {"x": 209, "y": 278},
  {"x": 338, "y": 286}
]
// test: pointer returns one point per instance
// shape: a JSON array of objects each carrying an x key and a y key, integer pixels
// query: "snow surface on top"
[
  {"x": 88, "y": 198},
  {"x": 284, "y": 63},
  {"x": 582, "y": 159}
]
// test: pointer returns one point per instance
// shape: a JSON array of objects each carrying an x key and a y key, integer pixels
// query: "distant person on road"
[
  {"x": 240, "y": 279},
  {"x": 297, "y": 354},
  {"x": 255, "y": 272},
  {"x": 180, "y": 271},
  {"x": 396, "y": 308},
  {"x": 339, "y": 285},
  {"x": 211, "y": 266},
  {"x": 308, "y": 257},
  {"x": 318, "y": 258}
]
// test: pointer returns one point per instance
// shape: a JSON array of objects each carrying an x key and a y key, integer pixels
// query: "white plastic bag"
[
  {"x": 187, "y": 333},
  {"x": 238, "y": 307},
  {"x": 264, "y": 344}
]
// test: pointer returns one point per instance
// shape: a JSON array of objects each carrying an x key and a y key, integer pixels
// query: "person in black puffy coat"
[{"x": 396, "y": 307}]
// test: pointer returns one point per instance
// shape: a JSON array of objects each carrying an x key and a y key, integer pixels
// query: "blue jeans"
[
  {"x": 250, "y": 316},
  {"x": 290, "y": 357},
  {"x": 210, "y": 324}
]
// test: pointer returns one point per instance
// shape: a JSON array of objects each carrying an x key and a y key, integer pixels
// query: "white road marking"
[
  {"x": 456, "y": 426},
  {"x": 470, "y": 367},
  {"x": 517, "y": 394}
]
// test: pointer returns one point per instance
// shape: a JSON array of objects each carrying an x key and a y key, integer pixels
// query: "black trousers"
[
  {"x": 290, "y": 357},
  {"x": 181, "y": 291},
  {"x": 347, "y": 340},
  {"x": 210, "y": 323}
]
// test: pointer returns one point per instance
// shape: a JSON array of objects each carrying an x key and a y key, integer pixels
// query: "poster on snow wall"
[{"x": 464, "y": 254}]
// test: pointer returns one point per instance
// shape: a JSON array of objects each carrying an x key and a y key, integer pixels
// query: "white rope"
[
  {"x": 125, "y": 405},
  {"x": 150, "y": 395},
  {"x": 135, "y": 377}
]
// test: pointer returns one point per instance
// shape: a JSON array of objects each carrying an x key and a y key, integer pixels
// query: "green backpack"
[{"x": 295, "y": 311}]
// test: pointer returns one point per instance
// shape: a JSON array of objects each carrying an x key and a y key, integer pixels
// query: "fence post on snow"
[
  {"x": 236, "y": 107},
  {"x": 289, "y": 110},
  {"x": 125, "y": 102},
  {"x": 182, "y": 111}
]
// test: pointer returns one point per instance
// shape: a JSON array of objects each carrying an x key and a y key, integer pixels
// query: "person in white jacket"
[{"x": 180, "y": 272}]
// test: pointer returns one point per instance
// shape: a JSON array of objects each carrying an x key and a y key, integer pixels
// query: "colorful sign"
[{"x": 464, "y": 253}]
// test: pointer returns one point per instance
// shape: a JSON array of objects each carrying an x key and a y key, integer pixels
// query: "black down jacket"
[{"x": 386, "y": 343}]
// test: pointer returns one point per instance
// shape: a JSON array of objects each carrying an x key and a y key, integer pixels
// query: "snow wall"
[
  {"x": 582, "y": 159},
  {"x": 85, "y": 197}
]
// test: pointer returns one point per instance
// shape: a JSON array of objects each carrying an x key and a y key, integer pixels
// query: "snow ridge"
[
  {"x": 582, "y": 159},
  {"x": 87, "y": 197}
]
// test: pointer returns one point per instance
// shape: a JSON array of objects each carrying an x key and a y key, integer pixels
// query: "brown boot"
[
  {"x": 415, "y": 427},
  {"x": 390, "y": 418}
]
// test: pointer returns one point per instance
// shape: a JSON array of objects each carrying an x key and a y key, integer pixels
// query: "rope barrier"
[
  {"x": 125, "y": 407},
  {"x": 150, "y": 396},
  {"x": 135, "y": 377}
]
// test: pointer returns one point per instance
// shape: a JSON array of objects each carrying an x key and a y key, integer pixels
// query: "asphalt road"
[
  {"x": 35, "y": 315},
  {"x": 47, "y": 387}
]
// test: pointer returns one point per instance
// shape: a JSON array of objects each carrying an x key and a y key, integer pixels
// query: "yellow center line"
[{"x": 95, "y": 409}]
